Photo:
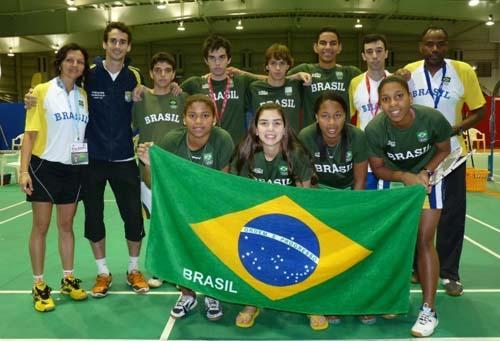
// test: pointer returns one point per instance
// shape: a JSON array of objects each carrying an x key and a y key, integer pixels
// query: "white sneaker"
[
  {"x": 426, "y": 322},
  {"x": 184, "y": 304},
  {"x": 155, "y": 282}
]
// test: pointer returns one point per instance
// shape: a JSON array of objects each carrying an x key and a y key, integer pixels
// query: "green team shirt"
[
  {"x": 289, "y": 96},
  {"x": 336, "y": 79},
  {"x": 156, "y": 115},
  {"x": 276, "y": 171},
  {"x": 233, "y": 117},
  {"x": 215, "y": 154},
  {"x": 333, "y": 168},
  {"x": 407, "y": 149}
]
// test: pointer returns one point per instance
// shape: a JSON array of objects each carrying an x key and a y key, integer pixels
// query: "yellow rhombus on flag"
[{"x": 246, "y": 241}]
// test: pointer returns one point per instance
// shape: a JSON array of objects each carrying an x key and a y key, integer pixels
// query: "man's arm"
[
  {"x": 235, "y": 71},
  {"x": 472, "y": 119}
]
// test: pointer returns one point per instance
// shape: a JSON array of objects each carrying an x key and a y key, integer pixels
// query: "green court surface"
[{"x": 126, "y": 315}]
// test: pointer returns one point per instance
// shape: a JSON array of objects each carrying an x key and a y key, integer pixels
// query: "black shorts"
[{"x": 54, "y": 182}]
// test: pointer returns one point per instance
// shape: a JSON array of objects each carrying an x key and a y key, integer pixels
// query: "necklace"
[{"x": 331, "y": 157}]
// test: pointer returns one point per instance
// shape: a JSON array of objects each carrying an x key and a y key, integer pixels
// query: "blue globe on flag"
[{"x": 278, "y": 249}]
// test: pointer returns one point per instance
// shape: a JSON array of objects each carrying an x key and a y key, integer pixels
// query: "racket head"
[{"x": 446, "y": 166}]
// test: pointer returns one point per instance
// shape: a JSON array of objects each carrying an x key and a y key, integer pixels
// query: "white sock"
[
  {"x": 133, "y": 264},
  {"x": 38, "y": 278},
  {"x": 67, "y": 273},
  {"x": 102, "y": 267}
]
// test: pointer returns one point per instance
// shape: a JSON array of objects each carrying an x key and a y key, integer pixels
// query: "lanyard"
[
  {"x": 429, "y": 86},
  {"x": 368, "y": 88},
  {"x": 73, "y": 109},
  {"x": 218, "y": 114}
]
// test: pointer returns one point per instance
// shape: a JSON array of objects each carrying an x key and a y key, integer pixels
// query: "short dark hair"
[
  {"x": 279, "y": 51},
  {"x": 434, "y": 28},
  {"x": 63, "y": 52},
  {"x": 328, "y": 29},
  {"x": 199, "y": 98},
  {"x": 371, "y": 38},
  {"x": 119, "y": 26},
  {"x": 215, "y": 42},
  {"x": 393, "y": 79},
  {"x": 162, "y": 57}
]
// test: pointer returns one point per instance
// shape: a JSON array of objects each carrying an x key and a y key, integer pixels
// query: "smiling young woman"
[{"x": 407, "y": 142}]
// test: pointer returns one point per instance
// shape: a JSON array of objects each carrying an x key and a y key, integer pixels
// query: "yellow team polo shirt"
[
  {"x": 58, "y": 118},
  {"x": 459, "y": 85}
]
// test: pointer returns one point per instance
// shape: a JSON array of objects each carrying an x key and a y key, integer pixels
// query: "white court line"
[
  {"x": 172, "y": 293},
  {"x": 14, "y": 205},
  {"x": 482, "y": 247},
  {"x": 168, "y": 329},
  {"x": 408, "y": 339},
  {"x": 482, "y": 223},
  {"x": 161, "y": 293},
  {"x": 401, "y": 339},
  {"x": 15, "y": 217}
]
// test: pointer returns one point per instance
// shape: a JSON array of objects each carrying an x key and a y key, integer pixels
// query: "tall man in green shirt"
[
  {"x": 326, "y": 74},
  {"x": 226, "y": 91}
]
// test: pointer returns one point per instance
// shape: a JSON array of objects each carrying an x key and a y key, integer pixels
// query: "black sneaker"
[
  {"x": 213, "y": 308},
  {"x": 184, "y": 304},
  {"x": 452, "y": 288}
]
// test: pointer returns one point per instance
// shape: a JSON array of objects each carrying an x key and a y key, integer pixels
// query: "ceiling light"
[
  {"x": 162, "y": 5},
  {"x": 358, "y": 24},
  {"x": 239, "y": 26},
  {"x": 71, "y": 5},
  {"x": 473, "y": 3},
  {"x": 11, "y": 53},
  {"x": 490, "y": 21},
  {"x": 181, "y": 26}
]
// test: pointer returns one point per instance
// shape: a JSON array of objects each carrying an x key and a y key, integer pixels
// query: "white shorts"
[{"x": 146, "y": 196}]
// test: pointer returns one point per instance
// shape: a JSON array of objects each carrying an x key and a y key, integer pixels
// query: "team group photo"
[{"x": 244, "y": 193}]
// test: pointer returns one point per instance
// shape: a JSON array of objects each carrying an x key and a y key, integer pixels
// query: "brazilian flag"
[{"x": 315, "y": 251}]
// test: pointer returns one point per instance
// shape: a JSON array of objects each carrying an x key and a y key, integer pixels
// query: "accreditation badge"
[
  {"x": 128, "y": 96},
  {"x": 79, "y": 153}
]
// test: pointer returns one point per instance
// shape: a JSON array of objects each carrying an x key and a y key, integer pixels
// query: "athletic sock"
[
  {"x": 67, "y": 273},
  {"x": 102, "y": 267},
  {"x": 38, "y": 278},
  {"x": 133, "y": 264}
]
